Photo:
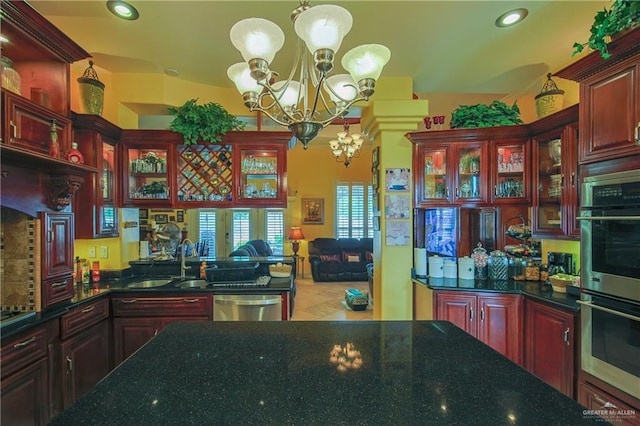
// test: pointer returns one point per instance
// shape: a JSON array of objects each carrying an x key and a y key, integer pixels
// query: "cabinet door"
[
  {"x": 610, "y": 113},
  {"x": 86, "y": 361},
  {"x": 550, "y": 180},
  {"x": 511, "y": 171},
  {"x": 25, "y": 396},
  {"x": 472, "y": 172},
  {"x": 57, "y": 246},
  {"x": 500, "y": 325},
  {"x": 148, "y": 175},
  {"x": 204, "y": 175},
  {"x": 28, "y": 125},
  {"x": 458, "y": 308},
  {"x": 106, "y": 211},
  {"x": 129, "y": 334},
  {"x": 549, "y": 345},
  {"x": 435, "y": 186},
  {"x": 260, "y": 174}
]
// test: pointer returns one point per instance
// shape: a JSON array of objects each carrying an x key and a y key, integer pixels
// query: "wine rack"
[{"x": 205, "y": 173}]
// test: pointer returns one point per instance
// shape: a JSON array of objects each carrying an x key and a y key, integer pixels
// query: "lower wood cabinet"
[
  {"x": 550, "y": 345},
  {"x": 24, "y": 388},
  {"x": 495, "y": 319},
  {"x": 138, "y": 319},
  {"x": 596, "y": 399}
]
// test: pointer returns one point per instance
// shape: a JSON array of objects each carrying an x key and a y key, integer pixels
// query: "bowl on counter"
[
  {"x": 280, "y": 270},
  {"x": 560, "y": 282}
]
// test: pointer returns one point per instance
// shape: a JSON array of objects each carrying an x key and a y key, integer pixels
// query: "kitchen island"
[{"x": 399, "y": 372}]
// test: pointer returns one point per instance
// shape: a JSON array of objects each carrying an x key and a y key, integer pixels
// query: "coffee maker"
[{"x": 560, "y": 263}]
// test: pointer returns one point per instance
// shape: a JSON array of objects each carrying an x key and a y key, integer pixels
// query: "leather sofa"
[
  {"x": 253, "y": 248},
  {"x": 343, "y": 259}
]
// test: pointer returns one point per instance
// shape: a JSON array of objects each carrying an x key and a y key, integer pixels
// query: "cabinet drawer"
[
  {"x": 161, "y": 306},
  {"x": 57, "y": 290},
  {"x": 23, "y": 350},
  {"x": 83, "y": 317},
  {"x": 596, "y": 399}
]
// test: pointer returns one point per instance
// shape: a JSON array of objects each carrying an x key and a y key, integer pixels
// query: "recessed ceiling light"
[
  {"x": 171, "y": 72},
  {"x": 122, "y": 10},
  {"x": 511, "y": 17}
]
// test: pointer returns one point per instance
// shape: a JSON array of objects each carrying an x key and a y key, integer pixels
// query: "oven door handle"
[
  {"x": 610, "y": 311},
  {"x": 608, "y": 218}
]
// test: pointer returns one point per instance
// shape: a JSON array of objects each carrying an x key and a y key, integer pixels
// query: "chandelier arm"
[
  {"x": 326, "y": 121},
  {"x": 317, "y": 95},
  {"x": 272, "y": 93},
  {"x": 271, "y": 116}
]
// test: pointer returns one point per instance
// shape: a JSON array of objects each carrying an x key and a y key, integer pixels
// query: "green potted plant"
[
  {"x": 623, "y": 14},
  {"x": 496, "y": 114},
  {"x": 206, "y": 122}
]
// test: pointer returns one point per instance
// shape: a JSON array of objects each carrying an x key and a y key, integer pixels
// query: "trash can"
[{"x": 370, "y": 274}]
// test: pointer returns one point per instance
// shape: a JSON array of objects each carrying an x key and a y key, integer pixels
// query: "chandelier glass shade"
[
  {"x": 309, "y": 99},
  {"x": 346, "y": 146}
]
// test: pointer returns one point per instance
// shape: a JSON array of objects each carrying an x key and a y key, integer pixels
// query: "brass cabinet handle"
[
  {"x": 59, "y": 284},
  {"x": 69, "y": 364},
  {"x": 84, "y": 311},
  {"x": 482, "y": 314},
  {"x": 25, "y": 343},
  {"x": 14, "y": 135},
  {"x": 566, "y": 336},
  {"x": 471, "y": 314},
  {"x": 598, "y": 399},
  {"x": 190, "y": 300},
  {"x": 129, "y": 301}
]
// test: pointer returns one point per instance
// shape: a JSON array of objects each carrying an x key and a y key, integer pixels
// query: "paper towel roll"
[
  {"x": 420, "y": 262},
  {"x": 144, "y": 249}
]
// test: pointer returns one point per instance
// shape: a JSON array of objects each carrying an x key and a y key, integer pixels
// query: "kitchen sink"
[
  {"x": 191, "y": 284},
  {"x": 150, "y": 283}
]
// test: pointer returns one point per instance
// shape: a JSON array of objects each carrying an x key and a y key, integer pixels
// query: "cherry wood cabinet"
[
  {"x": 495, "y": 319},
  {"x": 85, "y": 347},
  {"x": 596, "y": 399},
  {"x": 41, "y": 55},
  {"x": 138, "y": 319},
  {"x": 24, "y": 388},
  {"x": 98, "y": 142},
  {"x": 57, "y": 257},
  {"x": 471, "y": 166},
  {"x": 609, "y": 100},
  {"x": 556, "y": 176},
  {"x": 550, "y": 345}
]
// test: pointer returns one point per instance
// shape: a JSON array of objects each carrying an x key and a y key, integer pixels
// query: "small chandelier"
[
  {"x": 346, "y": 146},
  {"x": 307, "y": 105}
]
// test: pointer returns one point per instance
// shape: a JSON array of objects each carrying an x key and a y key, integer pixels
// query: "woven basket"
[{"x": 550, "y": 99}]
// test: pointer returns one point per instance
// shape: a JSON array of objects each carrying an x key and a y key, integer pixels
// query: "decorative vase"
[
  {"x": 550, "y": 98},
  {"x": 91, "y": 91},
  {"x": 74, "y": 155}
]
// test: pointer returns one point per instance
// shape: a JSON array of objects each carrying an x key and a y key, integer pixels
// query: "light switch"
[
  {"x": 92, "y": 251},
  {"x": 104, "y": 252}
]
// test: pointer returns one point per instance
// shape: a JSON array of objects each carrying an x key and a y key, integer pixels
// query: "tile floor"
[{"x": 324, "y": 301}]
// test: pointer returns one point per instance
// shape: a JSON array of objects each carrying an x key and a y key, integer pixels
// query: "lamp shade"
[
  {"x": 342, "y": 88},
  {"x": 288, "y": 95},
  {"x": 295, "y": 233},
  {"x": 366, "y": 61},
  {"x": 240, "y": 74},
  {"x": 257, "y": 38},
  {"x": 323, "y": 26}
]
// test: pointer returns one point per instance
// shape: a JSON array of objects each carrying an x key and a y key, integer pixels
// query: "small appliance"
[{"x": 560, "y": 263}]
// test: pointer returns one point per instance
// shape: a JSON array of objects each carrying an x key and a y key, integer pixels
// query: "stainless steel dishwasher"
[{"x": 247, "y": 307}]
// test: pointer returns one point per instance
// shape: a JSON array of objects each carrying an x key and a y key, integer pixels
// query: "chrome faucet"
[{"x": 183, "y": 264}]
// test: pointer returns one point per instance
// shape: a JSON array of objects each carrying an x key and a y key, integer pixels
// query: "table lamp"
[{"x": 295, "y": 234}]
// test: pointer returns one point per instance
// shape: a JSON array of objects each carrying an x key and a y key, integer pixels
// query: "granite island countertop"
[{"x": 280, "y": 373}]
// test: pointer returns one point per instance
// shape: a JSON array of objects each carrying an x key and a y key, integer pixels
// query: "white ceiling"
[{"x": 446, "y": 46}]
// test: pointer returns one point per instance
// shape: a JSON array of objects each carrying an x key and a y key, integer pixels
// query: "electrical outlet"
[
  {"x": 92, "y": 251},
  {"x": 104, "y": 252}
]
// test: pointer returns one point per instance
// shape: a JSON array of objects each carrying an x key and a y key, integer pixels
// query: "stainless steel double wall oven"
[{"x": 610, "y": 279}]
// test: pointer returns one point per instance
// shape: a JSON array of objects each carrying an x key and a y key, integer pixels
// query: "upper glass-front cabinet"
[
  {"x": 260, "y": 177},
  {"x": 148, "y": 177},
  {"x": 436, "y": 178},
  {"x": 510, "y": 171},
  {"x": 471, "y": 178}
]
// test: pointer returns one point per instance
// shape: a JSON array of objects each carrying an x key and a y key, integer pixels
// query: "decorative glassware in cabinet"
[
  {"x": 259, "y": 174},
  {"x": 106, "y": 181},
  {"x": 205, "y": 173},
  {"x": 435, "y": 174},
  {"x": 550, "y": 184},
  {"x": 510, "y": 167},
  {"x": 468, "y": 173},
  {"x": 148, "y": 174}
]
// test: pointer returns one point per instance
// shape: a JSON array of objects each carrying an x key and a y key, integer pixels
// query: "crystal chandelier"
[
  {"x": 346, "y": 146},
  {"x": 312, "y": 102}
]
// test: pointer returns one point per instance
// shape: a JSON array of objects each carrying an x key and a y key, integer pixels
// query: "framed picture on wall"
[
  {"x": 376, "y": 179},
  {"x": 143, "y": 214},
  {"x": 375, "y": 158},
  {"x": 313, "y": 211},
  {"x": 397, "y": 180},
  {"x": 162, "y": 218},
  {"x": 180, "y": 216}
]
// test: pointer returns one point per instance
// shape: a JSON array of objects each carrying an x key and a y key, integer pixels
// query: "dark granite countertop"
[
  {"x": 280, "y": 373},
  {"x": 533, "y": 289}
]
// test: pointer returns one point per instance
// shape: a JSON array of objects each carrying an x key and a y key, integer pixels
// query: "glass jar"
[
  {"x": 480, "y": 260},
  {"x": 517, "y": 267},
  {"x": 498, "y": 266},
  {"x": 532, "y": 272},
  {"x": 10, "y": 77}
]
